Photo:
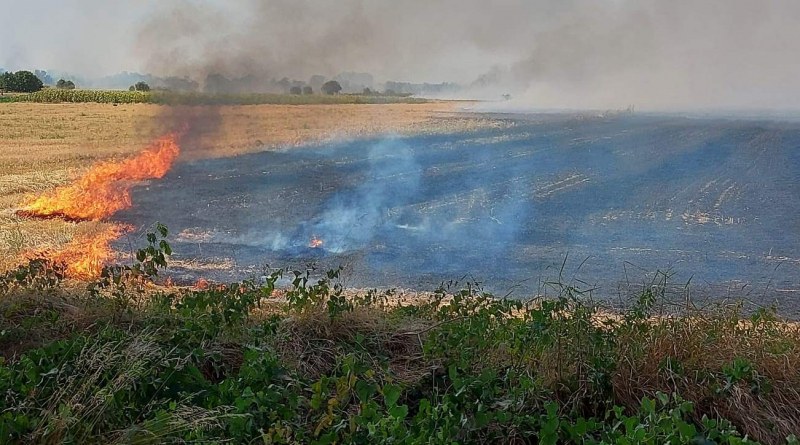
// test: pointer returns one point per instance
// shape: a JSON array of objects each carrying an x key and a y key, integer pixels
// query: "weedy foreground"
[{"x": 126, "y": 361}]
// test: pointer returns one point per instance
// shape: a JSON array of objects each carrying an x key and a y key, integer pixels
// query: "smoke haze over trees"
[{"x": 571, "y": 53}]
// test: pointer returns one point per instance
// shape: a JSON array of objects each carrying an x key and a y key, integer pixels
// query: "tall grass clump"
[{"x": 130, "y": 361}]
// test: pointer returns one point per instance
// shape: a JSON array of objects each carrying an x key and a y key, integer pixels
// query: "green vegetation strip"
[
  {"x": 124, "y": 363},
  {"x": 51, "y": 95}
]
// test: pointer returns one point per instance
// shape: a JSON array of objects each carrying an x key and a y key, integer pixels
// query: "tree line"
[
  {"x": 28, "y": 82},
  {"x": 31, "y": 82}
]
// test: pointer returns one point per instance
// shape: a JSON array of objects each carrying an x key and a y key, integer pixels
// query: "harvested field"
[
  {"x": 44, "y": 145},
  {"x": 708, "y": 202}
]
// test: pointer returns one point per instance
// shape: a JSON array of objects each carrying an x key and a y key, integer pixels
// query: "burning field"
[
  {"x": 97, "y": 195},
  {"x": 65, "y": 169},
  {"x": 105, "y": 188},
  {"x": 620, "y": 198},
  {"x": 592, "y": 202}
]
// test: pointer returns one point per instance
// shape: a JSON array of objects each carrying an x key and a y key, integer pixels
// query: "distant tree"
[
  {"x": 6, "y": 81},
  {"x": 65, "y": 84},
  {"x": 180, "y": 84},
  {"x": 217, "y": 84},
  {"x": 367, "y": 92},
  {"x": 308, "y": 90},
  {"x": 331, "y": 87},
  {"x": 285, "y": 84},
  {"x": 390, "y": 92},
  {"x": 295, "y": 90},
  {"x": 25, "y": 82},
  {"x": 140, "y": 86}
]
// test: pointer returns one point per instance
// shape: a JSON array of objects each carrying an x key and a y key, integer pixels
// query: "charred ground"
[{"x": 705, "y": 200}]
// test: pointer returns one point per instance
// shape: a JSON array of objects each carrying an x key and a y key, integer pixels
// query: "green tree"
[
  {"x": 6, "y": 80},
  {"x": 140, "y": 86},
  {"x": 331, "y": 87},
  {"x": 22, "y": 82},
  {"x": 285, "y": 84},
  {"x": 65, "y": 84},
  {"x": 308, "y": 90},
  {"x": 295, "y": 90}
]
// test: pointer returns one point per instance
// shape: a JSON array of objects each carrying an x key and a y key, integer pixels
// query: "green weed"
[{"x": 232, "y": 363}]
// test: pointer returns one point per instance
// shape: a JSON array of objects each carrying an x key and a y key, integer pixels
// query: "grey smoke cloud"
[
  {"x": 673, "y": 54},
  {"x": 656, "y": 54}
]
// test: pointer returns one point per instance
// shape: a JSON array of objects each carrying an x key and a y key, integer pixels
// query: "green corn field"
[{"x": 51, "y": 95}]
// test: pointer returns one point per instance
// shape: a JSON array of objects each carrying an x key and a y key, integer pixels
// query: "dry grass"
[
  {"x": 679, "y": 355},
  {"x": 44, "y": 145},
  {"x": 312, "y": 341},
  {"x": 32, "y": 319}
]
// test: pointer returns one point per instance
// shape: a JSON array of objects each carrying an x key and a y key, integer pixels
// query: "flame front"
[
  {"x": 105, "y": 188},
  {"x": 99, "y": 193}
]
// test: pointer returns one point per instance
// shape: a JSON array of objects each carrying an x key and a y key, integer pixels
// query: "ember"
[
  {"x": 202, "y": 284},
  {"x": 315, "y": 243}
]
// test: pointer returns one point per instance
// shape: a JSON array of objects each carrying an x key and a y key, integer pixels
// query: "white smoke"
[{"x": 351, "y": 219}]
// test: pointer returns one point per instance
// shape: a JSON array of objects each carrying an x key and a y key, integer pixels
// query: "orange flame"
[
  {"x": 105, "y": 188},
  {"x": 99, "y": 193},
  {"x": 315, "y": 242},
  {"x": 85, "y": 256}
]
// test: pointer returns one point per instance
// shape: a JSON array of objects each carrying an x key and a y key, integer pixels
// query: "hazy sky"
[{"x": 550, "y": 53}]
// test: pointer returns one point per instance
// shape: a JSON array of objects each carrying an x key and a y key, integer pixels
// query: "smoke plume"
[
  {"x": 351, "y": 218},
  {"x": 571, "y": 53}
]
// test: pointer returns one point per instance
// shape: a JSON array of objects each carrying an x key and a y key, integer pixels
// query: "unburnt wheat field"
[{"x": 710, "y": 202}]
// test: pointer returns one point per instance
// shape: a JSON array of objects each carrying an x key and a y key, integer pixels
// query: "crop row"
[{"x": 51, "y": 95}]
